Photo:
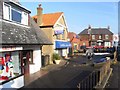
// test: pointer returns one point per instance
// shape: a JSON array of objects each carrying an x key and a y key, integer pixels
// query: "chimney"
[
  {"x": 39, "y": 15},
  {"x": 108, "y": 27},
  {"x": 89, "y": 27}
]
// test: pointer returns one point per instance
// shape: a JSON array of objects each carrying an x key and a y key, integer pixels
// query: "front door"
[{"x": 25, "y": 64}]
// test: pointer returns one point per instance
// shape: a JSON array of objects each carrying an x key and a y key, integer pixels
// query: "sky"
[{"x": 79, "y": 15}]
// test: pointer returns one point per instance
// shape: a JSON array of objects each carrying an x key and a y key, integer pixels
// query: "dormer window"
[
  {"x": 6, "y": 12},
  {"x": 14, "y": 14}
]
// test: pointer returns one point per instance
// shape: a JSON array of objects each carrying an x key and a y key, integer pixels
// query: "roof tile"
[
  {"x": 49, "y": 19},
  {"x": 97, "y": 31}
]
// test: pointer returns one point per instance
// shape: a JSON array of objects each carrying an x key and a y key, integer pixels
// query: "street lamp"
[{"x": 89, "y": 32}]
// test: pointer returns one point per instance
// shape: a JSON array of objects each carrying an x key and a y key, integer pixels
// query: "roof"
[
  {"x": 73, "y": 37},
  {"x": 16, "y": 1},
  {"x": 49, "y": 19},
  {"x": 17, "y": 34},
  {"x": 97, "y": 31}
]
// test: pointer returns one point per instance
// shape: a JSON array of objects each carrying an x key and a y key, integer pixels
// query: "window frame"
[
  {"x": 10, "y": 14},
  {"x": 17, "y": 10},
  {"x": 100, "y": 36},
  {"x": 107, "y": 36},
  {"x": 93, "y": 37},
  {"x": 4, "y": 11}
]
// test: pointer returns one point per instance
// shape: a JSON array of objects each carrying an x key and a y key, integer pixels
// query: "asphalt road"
[{"x": 67, "y": 76}]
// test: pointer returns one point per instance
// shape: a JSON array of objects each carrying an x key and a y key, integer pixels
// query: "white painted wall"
[
  {"x": 36, "y": 60},
  {"x": 16, "y": 83}
]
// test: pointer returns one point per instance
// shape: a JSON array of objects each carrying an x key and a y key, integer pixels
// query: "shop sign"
[
  {"x": 60, "y": 44},
  {"x": 57, "y": 32},
  {"x": 10, "y": 48}
]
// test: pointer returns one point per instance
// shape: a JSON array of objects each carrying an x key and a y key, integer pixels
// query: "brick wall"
[{"x": 85, "y": 39}]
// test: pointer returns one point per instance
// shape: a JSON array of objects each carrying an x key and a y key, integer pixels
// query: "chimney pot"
[
  {"x": 40, "y": 5},
  {"x": 109, "y": 27},
  {"x": 39, "y": 14},
  {"x": 89, "y": 27}
]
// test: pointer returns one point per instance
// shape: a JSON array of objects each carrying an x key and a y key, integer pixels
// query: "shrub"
[{"x": 56, "y": 56}]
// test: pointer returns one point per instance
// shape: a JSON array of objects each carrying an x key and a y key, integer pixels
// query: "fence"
[{"x": 95, "y": 78}]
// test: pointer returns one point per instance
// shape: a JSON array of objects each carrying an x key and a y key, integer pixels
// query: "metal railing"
[{"x": 95, "y": 78}]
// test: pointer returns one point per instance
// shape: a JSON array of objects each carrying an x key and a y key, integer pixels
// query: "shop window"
[{"x": 9, "y": 66}]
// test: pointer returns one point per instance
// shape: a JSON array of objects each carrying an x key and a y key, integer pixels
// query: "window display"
[{"x": 9, "y": 65}]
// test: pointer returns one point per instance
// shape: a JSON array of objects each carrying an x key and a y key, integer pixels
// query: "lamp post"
[{"x": 89, "y": 33}]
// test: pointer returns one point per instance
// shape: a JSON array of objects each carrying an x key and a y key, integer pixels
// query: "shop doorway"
[{"x": 25, "y": 62}]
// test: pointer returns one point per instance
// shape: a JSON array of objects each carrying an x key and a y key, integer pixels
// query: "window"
[
  {"x": 106, "y": 36},
  {"x": 6, "y": 12},
  {"x": 57, "y": 36},
  {"x": 10, "y": 66},
  {"x": 75, "y": 47},
  {"x": 24, "y": 18},
  {"x": 100, "y": 36},
  {"x": 14, "y": 14},
  {"x": 93, "y": 36}
]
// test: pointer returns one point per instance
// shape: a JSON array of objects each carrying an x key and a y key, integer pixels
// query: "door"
[{"x": 25, "y": 62}]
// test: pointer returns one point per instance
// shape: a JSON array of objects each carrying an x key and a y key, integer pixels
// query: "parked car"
[
  {"x": 110, "y": 49},
  {"x": 98, "y": 48},
  {"x": 82, "y": 49}
]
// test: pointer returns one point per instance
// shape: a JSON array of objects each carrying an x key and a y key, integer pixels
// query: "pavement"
[
  {"x": 105, "y": 80},
  {"x": 52, "y": 67},
  {"x": 114, "y": 81},
  {"x": 65, "y": 75}
]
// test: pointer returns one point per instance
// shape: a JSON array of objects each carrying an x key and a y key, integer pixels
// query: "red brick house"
[
  {"x": 96, "y": 36},
  {"x": 75, "y": 42}
]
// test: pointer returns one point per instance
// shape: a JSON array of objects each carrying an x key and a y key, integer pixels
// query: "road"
[{"x": 67, "y": 76}]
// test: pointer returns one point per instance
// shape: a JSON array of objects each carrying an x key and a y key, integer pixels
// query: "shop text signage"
[
  {"x": 10, "y": 48},
  {"x": 60, "y": 44}
]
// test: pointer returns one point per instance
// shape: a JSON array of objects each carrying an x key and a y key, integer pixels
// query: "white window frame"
[
  {"x": 12, "y": 8},
  {"x": 24, "y": 18},
  {"x": 4, "y": 11},
  {"x": 106, "y": 36},
  {"x": 93, "y": 36},
  {"x": 15, "y": 9},
  {"x": 100, "y": 36}
]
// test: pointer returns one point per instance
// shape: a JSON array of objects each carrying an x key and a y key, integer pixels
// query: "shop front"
[
  {"x": 16, "y": 63},
  {"x": 62, "y": 47},
  {"x": 11, "y": 74}
]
